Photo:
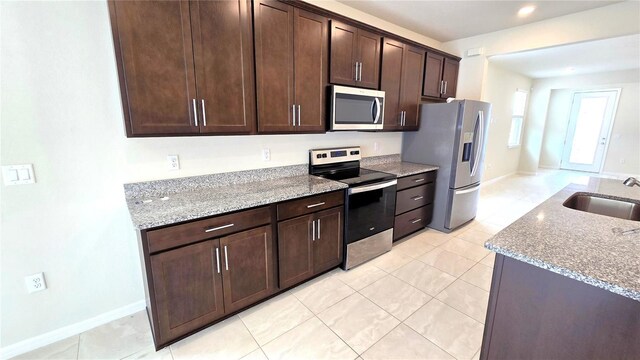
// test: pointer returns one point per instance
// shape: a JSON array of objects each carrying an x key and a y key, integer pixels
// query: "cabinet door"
[
  {"x": 392, "y": 60},
  {"x": 249, "y": 267},
  {"x": 368, "y": 54},
  {"x": 411, "y": 86},
  {"x": 188, "y": 288},
  {"x": 310, "y": 64},
  {"x": 432, "y": 85},
  {"x": 450, "y": 77},
  {"x": 343, "y": 54},
  {"x": 273, "y": 23},
  {"x": 327, "y": 246},
  {"x": 155, "y": 63},
  {"x": 223, "y": 49},
  {"x": 295, "y": 250}
]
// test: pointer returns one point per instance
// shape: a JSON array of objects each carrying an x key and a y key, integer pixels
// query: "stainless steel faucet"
[{"x": 631, "y": 181}]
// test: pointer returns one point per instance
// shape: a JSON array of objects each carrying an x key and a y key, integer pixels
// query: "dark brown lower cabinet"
[
  {"x": 188, "y": 289},
  {"x": 534, "y": 313},
  {"x": 414, "y": 203},
  {"x": 197, "y": 284},
  {"x": 309, "y": 245},
  {"x": 249, "y": 267}
]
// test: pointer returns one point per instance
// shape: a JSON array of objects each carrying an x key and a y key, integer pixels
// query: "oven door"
[
  {"x": 371, "y": 209},
  {"x": 356, "y": 109}
]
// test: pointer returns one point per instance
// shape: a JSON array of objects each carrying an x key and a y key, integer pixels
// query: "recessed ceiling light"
[{"x": 526, "y": 10}]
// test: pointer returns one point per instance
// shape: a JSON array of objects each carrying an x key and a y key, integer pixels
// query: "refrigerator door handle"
[
  {"x": 466, "y": 191},
  {"x": 476, "y": 153}
]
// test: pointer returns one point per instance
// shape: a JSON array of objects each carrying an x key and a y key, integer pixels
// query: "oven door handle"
[{"x": 361, "y": 189}]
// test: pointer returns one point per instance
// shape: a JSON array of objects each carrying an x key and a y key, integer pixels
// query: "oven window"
[
  {"x": 354, "y": 109},
  {"x": 369, "y": 213}
]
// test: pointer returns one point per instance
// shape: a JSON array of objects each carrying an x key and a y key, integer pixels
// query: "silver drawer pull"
[
  {"x": 218, "y": 228},
  {"x": 418, "y": 198},
  {"x": 313, "y": 231},
  {"x": 416, "y": 220},
  {"x": 418, "y": 180},
  {"x": 314, "y": 205}
]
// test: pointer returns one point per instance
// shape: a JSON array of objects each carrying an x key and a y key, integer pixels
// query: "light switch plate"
[{"x": 18, "y": 174}]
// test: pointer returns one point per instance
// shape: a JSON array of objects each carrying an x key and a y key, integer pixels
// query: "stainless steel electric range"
[{"x": 370, "y": 202}]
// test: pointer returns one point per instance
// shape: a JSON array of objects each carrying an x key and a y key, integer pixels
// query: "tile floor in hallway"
[{"x": 426, "y": 299}]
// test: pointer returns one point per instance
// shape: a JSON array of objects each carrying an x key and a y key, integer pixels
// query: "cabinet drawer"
[
  {"x": 414, "y": 198},
  {"x": 412, "y": 221},
  {"x": 310, "y": 204},
  {"x": 178, "y": 235},
  {"x": 416, "y": 180}
]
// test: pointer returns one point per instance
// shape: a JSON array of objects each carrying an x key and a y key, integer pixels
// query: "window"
[{"x": 517, "y": 118}]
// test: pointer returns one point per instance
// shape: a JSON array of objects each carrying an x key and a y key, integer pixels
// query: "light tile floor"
[{"x": 426, "y": 299}]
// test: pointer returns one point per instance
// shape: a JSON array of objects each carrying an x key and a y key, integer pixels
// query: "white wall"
[
  {"x": 61, "y": 111},
  {"x": 604, "y": 22},
  {"x": 547, "y": 126},
  {"x": 499, "y": 89}
]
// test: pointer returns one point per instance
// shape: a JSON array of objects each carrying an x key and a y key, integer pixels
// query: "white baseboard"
[
  {"x": 496, "y": 179},
  {"x": 549, "y": 167},
  {"x": 62, "y": 333},
  {"x": 528, "y": 172}
]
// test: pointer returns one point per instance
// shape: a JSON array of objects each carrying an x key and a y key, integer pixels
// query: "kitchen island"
[{"x": 566, "y": 283}]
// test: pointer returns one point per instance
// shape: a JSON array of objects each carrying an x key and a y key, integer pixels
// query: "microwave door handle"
[{"x": 376, "y": 114}]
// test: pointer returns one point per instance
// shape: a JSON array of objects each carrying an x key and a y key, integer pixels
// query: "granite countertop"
[
  {"x": 208, "y": 201},
  {"x": 578, "y": 244},
  {"x": 393, "y": 164}
]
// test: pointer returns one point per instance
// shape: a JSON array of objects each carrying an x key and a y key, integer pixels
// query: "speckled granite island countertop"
[
  {"x": 190, "y": 198},
  {"x": 393, "y": 164},
  {"x": 578, "y": 244}
]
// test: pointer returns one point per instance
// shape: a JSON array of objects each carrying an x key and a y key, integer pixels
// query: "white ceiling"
[
  {"x": 450, "y": 20},
  {"x": 619, "y": 53}
]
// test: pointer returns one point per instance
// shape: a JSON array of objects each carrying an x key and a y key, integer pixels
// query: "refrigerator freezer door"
[{"x": 464, "y": 204}]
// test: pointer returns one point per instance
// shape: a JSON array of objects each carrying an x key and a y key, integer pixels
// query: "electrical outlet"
[
  {"x": 35, "y": 282},
  {"x": 266, "y": 154},
  {"x": 173, "y": 162}
]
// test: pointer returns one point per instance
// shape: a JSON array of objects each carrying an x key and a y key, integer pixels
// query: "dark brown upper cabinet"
[
  {"x": 291, "y": 50},
  {"x": 401, "y": 79},
  {"x": 185, "y": 67},
  {"x": 440, "y": 76},
  {"x": 355, "y": 56}
]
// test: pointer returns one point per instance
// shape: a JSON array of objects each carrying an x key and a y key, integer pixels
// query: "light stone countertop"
[
  {"x": 208, "y": 201},
  {"x": 578, "y": 244},
  {"x": 397, "y": 167}
]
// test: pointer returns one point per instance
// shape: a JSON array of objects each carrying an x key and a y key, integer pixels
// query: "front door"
[{"x": 590, "y": 124}]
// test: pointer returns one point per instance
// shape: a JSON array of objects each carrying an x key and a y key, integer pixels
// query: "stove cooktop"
[{"x": 357, "y": 176}]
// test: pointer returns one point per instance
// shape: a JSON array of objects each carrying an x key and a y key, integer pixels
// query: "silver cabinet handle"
[
  {"x": 445, "y": 87},
  {"x": 441, "y": 87},
  {"x": 314, "y": 205},
  {"x": 195, "y": 113},
  {"x": 218, "y": 259},
  {"x": 360, "y": 73},
  {"x": 204, "y": 115},
  {"x": 313, "y": 231},
  {"x": 358, "y": 65},
  {"x": 419, "y": 180},
  {"x": 299, "y": 112},
  {"x": 417, "y": 198},
  {"x": 226, "y": 258},
  {"x": 318, "y": 229},
  {"x": 293, "y": 107},
  {"x": 219, "y": 227},
  {"x": 416, "y": 220}
]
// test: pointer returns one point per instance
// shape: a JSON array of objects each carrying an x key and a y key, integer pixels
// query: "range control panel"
[{"x": 334, "y": 155}]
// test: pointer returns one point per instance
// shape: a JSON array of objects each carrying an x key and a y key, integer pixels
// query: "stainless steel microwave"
[{"x": 356, "y": 109}]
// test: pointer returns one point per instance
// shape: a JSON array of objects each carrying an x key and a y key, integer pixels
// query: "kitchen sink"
[{"x": 598, "y": 204}]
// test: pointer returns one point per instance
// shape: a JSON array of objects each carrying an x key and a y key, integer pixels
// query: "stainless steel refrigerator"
[{"x": 452, "y": 136}]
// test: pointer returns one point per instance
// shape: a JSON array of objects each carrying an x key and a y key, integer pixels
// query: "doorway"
[{"x": 590, "y": 123}]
